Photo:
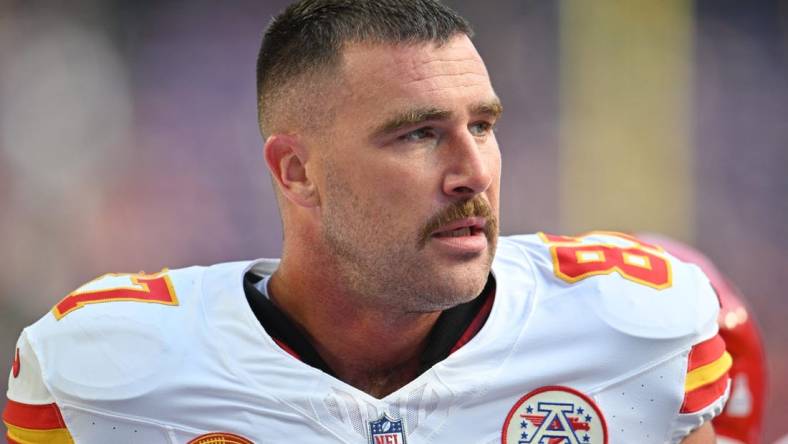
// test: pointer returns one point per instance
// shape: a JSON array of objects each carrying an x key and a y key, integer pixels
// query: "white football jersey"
[{"x": 596, "y": 339}]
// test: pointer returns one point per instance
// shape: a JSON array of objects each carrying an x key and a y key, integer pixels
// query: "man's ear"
[{"x": 286, "y": 157}]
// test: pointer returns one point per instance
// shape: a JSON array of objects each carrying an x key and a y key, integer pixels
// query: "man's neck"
[{"x": 374, "y": 349}]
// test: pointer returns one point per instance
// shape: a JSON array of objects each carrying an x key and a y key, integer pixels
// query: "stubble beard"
[{"x": 390, "y": 271}]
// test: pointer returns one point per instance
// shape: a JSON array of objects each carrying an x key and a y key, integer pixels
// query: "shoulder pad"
[
  {"x": 110, "y": 337},
  {"x": 634, "y": 287}
]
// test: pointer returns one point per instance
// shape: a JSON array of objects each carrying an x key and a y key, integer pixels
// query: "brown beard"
[{"x": 476, "y": 207}]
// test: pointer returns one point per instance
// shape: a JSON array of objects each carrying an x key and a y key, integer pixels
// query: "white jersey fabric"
[{"x": 133, "y": 372}]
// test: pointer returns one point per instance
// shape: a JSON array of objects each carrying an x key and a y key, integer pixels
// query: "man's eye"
[
  {"x": 417, "y": 135},
  {"x": 480, "y": 128}
]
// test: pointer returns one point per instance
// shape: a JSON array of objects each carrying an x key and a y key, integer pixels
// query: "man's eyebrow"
[
  {"x": 492, "y": 108},
  {"x": 412, "y": 117}
]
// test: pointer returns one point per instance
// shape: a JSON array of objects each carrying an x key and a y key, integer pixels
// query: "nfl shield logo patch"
[{"x": 386, "y": 430}]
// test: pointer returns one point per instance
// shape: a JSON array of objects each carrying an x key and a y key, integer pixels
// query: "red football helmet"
[{"x": 742, "y": 419}]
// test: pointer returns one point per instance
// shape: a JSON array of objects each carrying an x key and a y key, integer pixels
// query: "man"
[{"x": 396, "y": 313}]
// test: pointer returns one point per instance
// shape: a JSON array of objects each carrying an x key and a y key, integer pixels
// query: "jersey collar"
[{"x": 453, "y": 329}]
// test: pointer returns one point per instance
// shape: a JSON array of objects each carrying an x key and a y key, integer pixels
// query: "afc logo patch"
[
  {"x": 386, "y": 430},
  {"x": 220, "y": 438},
  {"x": 554, "y": 415}
]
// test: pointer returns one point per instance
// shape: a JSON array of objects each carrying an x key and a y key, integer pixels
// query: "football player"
[
  {"x": 396, "y": 313},
  {"x": 742, "y": 420}
]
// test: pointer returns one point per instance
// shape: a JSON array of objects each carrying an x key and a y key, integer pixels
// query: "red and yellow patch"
[
  {"x": 707, "y": 374},
  {"x": 33, "y": 424}
]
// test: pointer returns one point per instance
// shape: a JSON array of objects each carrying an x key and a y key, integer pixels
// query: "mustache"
[{"x": 476, "y": 207}]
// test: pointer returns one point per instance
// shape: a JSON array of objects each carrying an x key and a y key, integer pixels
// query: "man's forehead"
[
  {"x": 382, "y": 86},
  {"x": 411, "y": 62}
]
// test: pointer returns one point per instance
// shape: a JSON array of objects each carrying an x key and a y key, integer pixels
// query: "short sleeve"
[
  {"x": 707, "y": 381},
  {"x": 31, "y": 414}
]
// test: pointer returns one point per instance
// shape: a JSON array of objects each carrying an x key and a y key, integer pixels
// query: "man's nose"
[{"x": 469, "y": 171}]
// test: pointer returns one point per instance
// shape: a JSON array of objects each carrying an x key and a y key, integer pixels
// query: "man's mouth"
[
  {"x": 471, "y": 226},
  {"x": 465, "y": 236},
  {"x": 459, "y": 232}
]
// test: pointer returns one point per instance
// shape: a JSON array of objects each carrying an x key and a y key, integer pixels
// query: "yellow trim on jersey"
[
  {"x": 708, "y": 373},
  {"x": 31, "y": 436}
]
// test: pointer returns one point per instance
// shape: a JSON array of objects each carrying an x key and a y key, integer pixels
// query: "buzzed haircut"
[{"x": 307, "y": 39}]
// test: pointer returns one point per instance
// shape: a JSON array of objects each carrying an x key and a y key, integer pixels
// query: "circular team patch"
[
  {"x": 554, "y": 414},
  {"x": 220, "y": 438}
]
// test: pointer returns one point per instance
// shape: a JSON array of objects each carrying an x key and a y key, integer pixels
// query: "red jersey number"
[
  {"x": 156, "y": 288},
  {"x": 574, "y": 260}
]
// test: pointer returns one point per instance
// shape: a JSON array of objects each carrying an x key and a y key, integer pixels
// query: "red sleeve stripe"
[
  {"x": 704, "y": 396},
  {"x": 706, "y": 352},
  {"x": 35, "y": 417}
]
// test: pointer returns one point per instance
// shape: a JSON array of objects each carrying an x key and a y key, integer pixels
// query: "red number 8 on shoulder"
[{"x": 574, "y": 261}]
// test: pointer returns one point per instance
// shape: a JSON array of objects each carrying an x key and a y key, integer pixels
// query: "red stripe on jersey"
[
  {"x": 16, "y": 366},
  {"x": 476, "y": 324},
  {"x": 704, "y": 396},
  {"x": 289, "y": 350},
  {"x": 36, "y": 417},
  {"x": 706, "y": 352}
]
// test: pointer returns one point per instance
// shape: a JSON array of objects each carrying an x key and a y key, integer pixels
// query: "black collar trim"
[{"x": 453, "y": 329}]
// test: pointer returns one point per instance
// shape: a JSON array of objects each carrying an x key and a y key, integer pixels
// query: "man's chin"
[{"x": 458, "y": 285}]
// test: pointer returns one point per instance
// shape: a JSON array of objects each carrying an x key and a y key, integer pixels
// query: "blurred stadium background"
[{"x": 128, "y": 138}]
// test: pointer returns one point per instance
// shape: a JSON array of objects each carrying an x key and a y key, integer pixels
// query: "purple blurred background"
[{"x": 128, "y": 142}]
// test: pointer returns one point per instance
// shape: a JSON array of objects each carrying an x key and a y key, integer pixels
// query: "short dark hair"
[{"x": 309, "y": 35}]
